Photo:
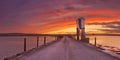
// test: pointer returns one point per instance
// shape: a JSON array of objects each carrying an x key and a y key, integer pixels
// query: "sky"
[{"x": 59, "y": 16}]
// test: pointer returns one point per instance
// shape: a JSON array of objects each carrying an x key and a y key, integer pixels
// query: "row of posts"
[
  {"x": 45, "y": 43},
  {"x": 25, "y": 43}
]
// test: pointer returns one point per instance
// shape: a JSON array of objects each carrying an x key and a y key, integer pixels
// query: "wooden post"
[
  {"x": 37, "y": 41},
  {"x": 44, "y": 40},
  {"x": 95, "y": 42},
  {"x": 25, "y": 44},
  {"x": 77, "y": 34}
]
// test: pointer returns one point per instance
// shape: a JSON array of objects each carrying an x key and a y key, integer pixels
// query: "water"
[
  {"x": 113, "y": 41},
  {"x": 11, "y": 45}
]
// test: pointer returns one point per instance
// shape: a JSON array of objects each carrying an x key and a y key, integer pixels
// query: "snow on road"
[{"x": 68, "y": 49}]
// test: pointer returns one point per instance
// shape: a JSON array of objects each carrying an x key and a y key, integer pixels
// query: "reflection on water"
[
  {"x": 107, "y": 40},
  {"x": 12, "y": 45}
]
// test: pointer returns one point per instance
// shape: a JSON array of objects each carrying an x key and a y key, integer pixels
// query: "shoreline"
[{"x": 115, "y": 50}]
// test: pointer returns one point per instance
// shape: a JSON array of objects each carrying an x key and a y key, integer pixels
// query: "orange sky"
[{"x": 59, "y": 16}]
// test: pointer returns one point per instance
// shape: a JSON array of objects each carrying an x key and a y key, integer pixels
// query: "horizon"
[{"x": 44, "y": 34}]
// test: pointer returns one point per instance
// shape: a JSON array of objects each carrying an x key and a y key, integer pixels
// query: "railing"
[{"x": 47, "y": 40}]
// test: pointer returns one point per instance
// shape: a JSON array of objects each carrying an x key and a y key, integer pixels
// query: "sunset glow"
[{"x": 59, "y": 16}]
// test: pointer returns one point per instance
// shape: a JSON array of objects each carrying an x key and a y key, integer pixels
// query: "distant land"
[{"x": 31, "y": 34}]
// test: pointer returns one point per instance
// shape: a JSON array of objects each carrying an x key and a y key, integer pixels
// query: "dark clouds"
[{"x": 109, "y": 27}]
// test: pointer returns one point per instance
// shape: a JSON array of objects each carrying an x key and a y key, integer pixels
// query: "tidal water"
[
  {"x": 113, "y": 41},
  {"x": 12, "y": 45}
]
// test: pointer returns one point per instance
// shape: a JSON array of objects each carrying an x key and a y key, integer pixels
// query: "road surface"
[{"x": 68, "y": 49}]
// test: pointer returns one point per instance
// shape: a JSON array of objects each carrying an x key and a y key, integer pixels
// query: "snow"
[
  {"x": 68, "y": 49},
  {"x": 111, "y": 53}
]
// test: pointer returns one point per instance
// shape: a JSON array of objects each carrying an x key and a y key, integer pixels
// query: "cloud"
[
  {"x": 37, "y": 14},
  {"x": 109, "y": 27},
  {"x": 111, "y": 31},
  {"x": 73, "y": 7}
]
